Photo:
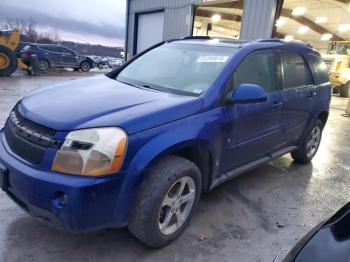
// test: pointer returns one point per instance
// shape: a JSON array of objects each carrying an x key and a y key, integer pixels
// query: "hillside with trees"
[{"x": 29, "y": 34}]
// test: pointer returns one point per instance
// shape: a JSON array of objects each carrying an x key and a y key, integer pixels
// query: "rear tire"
[
  {"x": 43, "y": 66},
  {"x": 166, "y": 201},
  {"x": 8, "y": 61},
  {"x": 344, "y": 90},
  {"x": 308, "y": 149}
]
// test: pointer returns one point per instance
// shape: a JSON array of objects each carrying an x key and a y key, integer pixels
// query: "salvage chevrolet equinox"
[{"x": 138, "y": 146}]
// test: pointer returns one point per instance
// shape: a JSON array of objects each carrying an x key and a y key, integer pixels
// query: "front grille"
[
  {"x": 28, "y": 139},
  {"x": 32, "y": 125}
]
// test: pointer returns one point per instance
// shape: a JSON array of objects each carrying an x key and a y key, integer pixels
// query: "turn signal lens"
[{"x": 91, "y": 152}]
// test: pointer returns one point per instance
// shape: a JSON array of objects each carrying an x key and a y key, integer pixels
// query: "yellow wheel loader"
[
  {"x": 9, "y": 61},
  {"x": 338, "y": 56}
]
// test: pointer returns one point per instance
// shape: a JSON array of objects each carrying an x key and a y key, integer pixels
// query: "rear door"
[
  {"x": 253, "y": 130},
  {"x": 299, "y": 94}
]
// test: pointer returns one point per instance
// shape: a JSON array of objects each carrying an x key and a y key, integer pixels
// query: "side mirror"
[{"x": 245, "y": 94}]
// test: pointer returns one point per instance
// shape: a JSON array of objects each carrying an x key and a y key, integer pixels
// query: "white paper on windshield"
[{"x": 212, "y": 59}]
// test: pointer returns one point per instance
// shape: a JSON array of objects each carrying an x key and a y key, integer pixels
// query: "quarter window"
[
  {"x": 260, "y": 69},
  {"x": 296, "y": 72},
  {"x": 321, "y": 68}
]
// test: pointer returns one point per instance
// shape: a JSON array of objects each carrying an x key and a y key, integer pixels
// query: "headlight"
[{"x": 91, "y": 152}]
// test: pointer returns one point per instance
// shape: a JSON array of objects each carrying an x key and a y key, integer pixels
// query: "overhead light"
[
  {"x": 289, "y": 38},
  {"x": 280, "y": 22},
  {"x": 303, "y": 29},
  {"x": 343, "y": 27},
  {"x": 321, "y": 19},
  {"x": 299, "y": 11},
  {"x": 216, "y": 18},
  {"x": 326, "y": 37}
]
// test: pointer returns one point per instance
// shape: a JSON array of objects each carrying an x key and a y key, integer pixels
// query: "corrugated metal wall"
[
  {"x": 177, "y": 17},
  {"x": 258, "y": 17}
]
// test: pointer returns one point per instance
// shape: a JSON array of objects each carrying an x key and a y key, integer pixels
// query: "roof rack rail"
[{"x": 278, "y": 40}]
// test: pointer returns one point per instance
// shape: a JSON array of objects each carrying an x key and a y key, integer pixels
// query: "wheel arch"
[
  {"x": 323, "y": 116},
  {"x": 199, "y": 154},
  {"x": 196, "y": 151},
  {"x": 91, "y": 63}
]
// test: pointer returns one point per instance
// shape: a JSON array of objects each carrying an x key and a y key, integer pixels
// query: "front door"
[
  {"x": 298, "y": 95},
  {"x": 253, "y": 130},
  {"x": 69, "y": 58}
]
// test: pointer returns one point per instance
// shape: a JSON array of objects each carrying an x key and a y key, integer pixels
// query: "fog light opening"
[{"x": 60, "y": 199}]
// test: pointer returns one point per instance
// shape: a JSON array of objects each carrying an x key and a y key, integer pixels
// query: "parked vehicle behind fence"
[
  {"x": 138, "y": 146},
  {"x": 56, "y": 56}
]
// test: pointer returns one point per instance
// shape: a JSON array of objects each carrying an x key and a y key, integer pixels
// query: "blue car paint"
[{"x": 157, "y": 124}]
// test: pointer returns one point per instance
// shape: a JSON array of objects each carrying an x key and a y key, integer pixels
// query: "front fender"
[
  {"x": 166, "y": 143},
  {"x": 147, "y": 147}
]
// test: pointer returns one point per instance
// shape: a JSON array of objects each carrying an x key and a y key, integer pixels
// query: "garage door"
[{"x": 150, "y": 30}]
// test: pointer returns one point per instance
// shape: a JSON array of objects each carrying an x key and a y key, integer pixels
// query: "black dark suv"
[{"x": 56, "y": 56}]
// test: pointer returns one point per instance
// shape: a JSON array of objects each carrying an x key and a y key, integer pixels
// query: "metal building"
[
  {"x": 318, "y": 22},
  {"x": 151, "y": 21}
]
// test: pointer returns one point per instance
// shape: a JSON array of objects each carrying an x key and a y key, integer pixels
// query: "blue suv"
[
  {"x": 138, "y": 146},
  {"x": 56, "y": 56}
]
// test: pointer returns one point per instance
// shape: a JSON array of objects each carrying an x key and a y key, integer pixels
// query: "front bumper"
[{"x": 75, "y": 204}]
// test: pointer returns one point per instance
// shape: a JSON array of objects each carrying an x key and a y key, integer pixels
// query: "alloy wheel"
[
  {"x": 85, "y": 66},
  {"x": 313, "y": 141},
  {"x": 43, "y": 65},
  {"x": 177, "y": 205}
]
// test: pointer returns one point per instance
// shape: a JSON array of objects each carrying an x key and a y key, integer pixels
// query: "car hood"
[{"x": 101, "y": 101}]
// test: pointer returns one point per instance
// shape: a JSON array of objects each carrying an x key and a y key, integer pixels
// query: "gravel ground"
[{"x": 250, "y": 218}]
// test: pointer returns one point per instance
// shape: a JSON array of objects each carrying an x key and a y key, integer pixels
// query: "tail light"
[{"x": 28, "y": 53}]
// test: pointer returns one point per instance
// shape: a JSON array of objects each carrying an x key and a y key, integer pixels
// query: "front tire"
[
  {"x": 308, "y": 149},
  {"x": 166, "y": 201},
  {"x": 85, "y": 66},
  {"x": 8, "y": 61}
]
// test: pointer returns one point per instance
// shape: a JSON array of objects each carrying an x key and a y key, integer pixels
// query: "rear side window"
[
  {"x": 296, "y": 72},
  {"x": 259, "y": 68},
  {"x": 320, "y": 67}
]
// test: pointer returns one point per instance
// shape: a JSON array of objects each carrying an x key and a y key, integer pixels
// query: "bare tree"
[
  {"x": 20, "y": 23},
  {"x": 30, "y": 31}
]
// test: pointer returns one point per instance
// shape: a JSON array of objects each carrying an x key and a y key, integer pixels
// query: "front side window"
[
  {"x": 64, "y": 50},
  {"x": 260, "y": 69},
  {"x": 178, "y": 68},
  {"x": 296, "y": 73}
]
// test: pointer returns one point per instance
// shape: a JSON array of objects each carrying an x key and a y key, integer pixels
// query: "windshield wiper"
[{"x": 152, "y": 87}]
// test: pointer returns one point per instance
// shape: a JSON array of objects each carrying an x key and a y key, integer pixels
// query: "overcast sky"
[{"x": 89, "y": 21}]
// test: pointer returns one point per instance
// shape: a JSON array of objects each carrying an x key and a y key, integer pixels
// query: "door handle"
[
  {"x": 311, "y": 95},
  {"x": 276, "y": 105}
]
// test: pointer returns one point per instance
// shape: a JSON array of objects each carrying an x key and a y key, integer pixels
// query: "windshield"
[
  {"x": 178, "y": 68},
  {"x": 339, "y": 49}
]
